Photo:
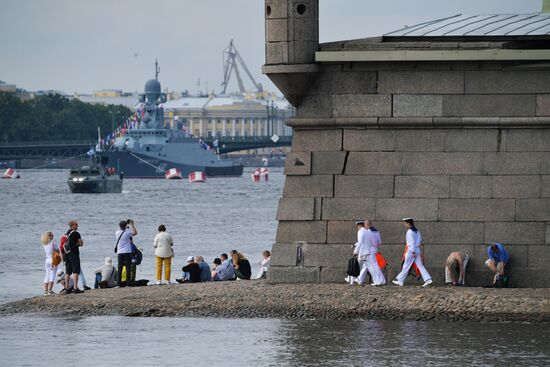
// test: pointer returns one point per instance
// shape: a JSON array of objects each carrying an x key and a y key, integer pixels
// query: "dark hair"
[
  {"x": 122, "y": 224},
  {"x": 162, "y": 228},
  {"x": 233, "y": 252},
  {"x": 266, "y": 252},
  {"x": 217, "y": 261},
  {"x": 224, "y": 255}
]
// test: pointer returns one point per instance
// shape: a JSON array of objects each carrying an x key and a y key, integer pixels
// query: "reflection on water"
[{"x": 268, "y": 342}]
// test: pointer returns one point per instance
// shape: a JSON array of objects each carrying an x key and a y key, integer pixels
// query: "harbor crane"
[{"x": 231, "y": 59}]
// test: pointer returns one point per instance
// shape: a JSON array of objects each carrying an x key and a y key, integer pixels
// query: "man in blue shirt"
[
  {"x": 498, "y": 258},
  {"x": 206, "y": 273}
]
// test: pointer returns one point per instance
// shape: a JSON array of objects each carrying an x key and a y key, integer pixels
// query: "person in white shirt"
[
  {"x": 105, "y": 275},
  {"x": 49, "y": 246},
  {"x": 361, "y": 249},
  {"x": 164, "y": 251},
  {"x": 414, "y": 239},
  {"x": 123, "y": 249},
  {"x": 375, "y": 271},
  {"x": 264, "y": 265}
]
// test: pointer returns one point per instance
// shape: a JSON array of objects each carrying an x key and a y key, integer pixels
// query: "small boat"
[
  {"x": 173, "y": 174},
  {"x": 95, "y": 180},
  {"x": 259, "y": 173},
  {"x": 11, "y": 173},
  {"x": 197, "y": 177}
]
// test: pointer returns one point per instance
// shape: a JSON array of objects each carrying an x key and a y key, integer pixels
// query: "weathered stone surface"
[
  {"x": 435, "y": 256},
  {"x": 284, "y": 254},
  {"x": 515, "y": 233},
  {"x": 326, "y": 163},
  {"x": 369, "y": 140},
  {"x": 348, "y": 208},
  {"x": 485, "y": 82},
  {"x": 533, "y": 210},
  {"x": 518, "y": 256},
  {"x": 543, "y": 105},
  {"x": 341, "y": 232},
  {"x": 539, "y": 257},
  {"x": 374, "y": 163},
  {"x": 528, "y": 140},
  {"x": 420, "y": 141},
  {"x": 421, "y": 82},
  {"x": 545, "y": 186},
  {"x": 472, "y": 140},
  {"x": 434, "y": 163},
  {"x": 363, "y": 186},
  {"x": 396, "y": 209},
  {"x": 276, "y": 53},
  {"x": 416, "y": 105},
  {"x": 298, "y": 163},
  {"x": 319, "y": 105},
  {"x": 482, "y": 210},
  {"x": 451, "y": 233},
  {"x": 489, "y": 105},
  {"x": 471, "y": 186},
  {"x": 278, "y": 9},
  {"x": 327, "y": 255},
  {"x": 547, "y": 234},
  {"x": 391, "y": 232},
  {"x": 361, "y": 105},
  {"x": 318, "y": 209},
  {"x": 333, "y": 275},
  {"x": 421, "y": 186},
  {"x": 307, "y": 231},
  {"x": 516, "y": 186},
  {"x": 359, "y": 82},
  {"x": 277, "y": 274},
  {"x": 308, "y": 186},
  {"x": 534, "y": 163},
  {"x": 317, "y": 140},
  {"x": 276, "y": 30},
  {"x": 296, "y": 209}
]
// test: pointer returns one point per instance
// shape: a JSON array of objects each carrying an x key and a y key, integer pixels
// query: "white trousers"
[
  {"x": 375, "y": 271},
  {"x": 261, "y": 272},
  {"x": 51, "y": 271},
  {"x": 448, "y": 278},
  {"x": 365, "y": 267},
  {"x": 409, "y": 260}
]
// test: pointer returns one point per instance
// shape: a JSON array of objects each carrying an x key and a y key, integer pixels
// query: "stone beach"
[{"x": 258, "y": 299}]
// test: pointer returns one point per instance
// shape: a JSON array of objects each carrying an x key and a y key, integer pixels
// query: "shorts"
[{"x": 72, "y": 264}]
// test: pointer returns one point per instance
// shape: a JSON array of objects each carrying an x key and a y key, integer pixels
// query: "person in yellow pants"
[{"x": 164, "y": 252}]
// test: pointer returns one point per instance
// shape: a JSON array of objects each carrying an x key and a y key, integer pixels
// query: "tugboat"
[
  {"x": 149, "y": 150},
  {"x": 95, "y": 178}
]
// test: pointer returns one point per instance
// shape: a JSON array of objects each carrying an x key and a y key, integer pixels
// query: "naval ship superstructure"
[{"x": 149, "y": 150}]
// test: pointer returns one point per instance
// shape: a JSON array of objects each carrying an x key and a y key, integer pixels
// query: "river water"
[{"x": 205, "y": 219}]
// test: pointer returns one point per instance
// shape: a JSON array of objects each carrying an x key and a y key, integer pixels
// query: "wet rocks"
[{"x": 257, "y": 299}]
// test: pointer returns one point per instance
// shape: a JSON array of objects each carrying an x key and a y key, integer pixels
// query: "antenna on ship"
[{"x": 157, "y": 70}]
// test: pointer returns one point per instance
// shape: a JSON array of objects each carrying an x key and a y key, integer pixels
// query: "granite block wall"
[{"x": 462, "y": 147}]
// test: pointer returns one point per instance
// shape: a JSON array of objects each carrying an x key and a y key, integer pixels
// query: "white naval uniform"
[
  {"x": 375, "y": 271},
  {"x": 414, "y": 239},
  {"x": 366, "y": 240}
]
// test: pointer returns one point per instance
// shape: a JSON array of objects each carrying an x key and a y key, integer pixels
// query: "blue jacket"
[{"x": 498, "y": 256}]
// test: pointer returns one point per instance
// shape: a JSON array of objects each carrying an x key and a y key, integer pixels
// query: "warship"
[{"x": 149, "y": 150}]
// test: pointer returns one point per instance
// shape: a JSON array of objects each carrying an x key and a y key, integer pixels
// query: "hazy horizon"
[{"x": 84, "y": 46}]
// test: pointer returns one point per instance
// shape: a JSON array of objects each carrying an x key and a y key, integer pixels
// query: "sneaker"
[
  {"x": 397, "y": 282},
  {"x": 347, "y": 279},
  {"x": 46, "y": 293},
  {"x": 158, "y": 282},
  {"x": 427, "y": 283},
  {"x": 181, "y": 281},
  {"x": 66, "y": 291},
  {"x": 77, "y": 291},
  {"x": 86, "y": 288},
  {"x": 51, "y": 292}
]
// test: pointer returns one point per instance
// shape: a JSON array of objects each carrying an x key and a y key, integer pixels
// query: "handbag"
[
  {"x": 353, "y": 267},
  {"x": 56, "y": 257}
]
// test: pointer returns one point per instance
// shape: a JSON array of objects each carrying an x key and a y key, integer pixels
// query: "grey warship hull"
[{"x": 139, "y": 165}]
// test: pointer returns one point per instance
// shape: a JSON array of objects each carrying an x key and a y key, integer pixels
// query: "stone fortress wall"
[{"x": 461, "y": 146}]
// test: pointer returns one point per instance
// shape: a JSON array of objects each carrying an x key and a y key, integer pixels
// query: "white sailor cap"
[
  {"x": 359, "y": 222},
  {"x": 407, "y": 219},
  {"x": 190, "y": 258}
]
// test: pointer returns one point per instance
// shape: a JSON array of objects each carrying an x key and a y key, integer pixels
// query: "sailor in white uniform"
[
  {"x": 375, "y": 271},
  {"x": 414, "y": 239},
  {"x": 361, "y": 250}
]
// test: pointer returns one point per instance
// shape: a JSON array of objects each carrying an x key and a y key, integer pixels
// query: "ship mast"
[{"x": 157, "y": 70}]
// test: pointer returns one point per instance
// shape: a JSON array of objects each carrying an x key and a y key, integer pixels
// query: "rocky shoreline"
[{"x": 257, "y": 299}]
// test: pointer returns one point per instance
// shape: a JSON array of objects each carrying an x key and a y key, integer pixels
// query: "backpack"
[
  {"x": 137, "y": 255},
  {"x": 353, "y": 267},
  {"x": 64, "y": 244}
]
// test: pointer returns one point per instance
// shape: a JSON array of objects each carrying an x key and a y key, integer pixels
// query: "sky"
[{"x": 87, "y": 45}]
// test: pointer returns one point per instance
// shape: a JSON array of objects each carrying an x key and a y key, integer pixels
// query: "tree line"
[{"x": 54, "y": 117}]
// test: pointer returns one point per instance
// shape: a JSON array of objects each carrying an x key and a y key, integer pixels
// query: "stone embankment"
[{"x": 247, "y": 299}]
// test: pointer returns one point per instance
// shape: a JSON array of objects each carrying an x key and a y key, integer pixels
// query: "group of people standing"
[
  {"x": 366, "y": 250},
  {"x": 66, "y": 256}
]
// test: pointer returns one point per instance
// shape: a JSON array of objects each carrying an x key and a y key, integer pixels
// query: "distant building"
[
  {"x": 129, "y": 100},
  {"x": 234, "y": 115},
  {"x": 108, "y": 93},
  {"x": 7, "y": 88}
]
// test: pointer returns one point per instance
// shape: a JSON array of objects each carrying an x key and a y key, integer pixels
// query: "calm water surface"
[{"x": 206, "y": 219}]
